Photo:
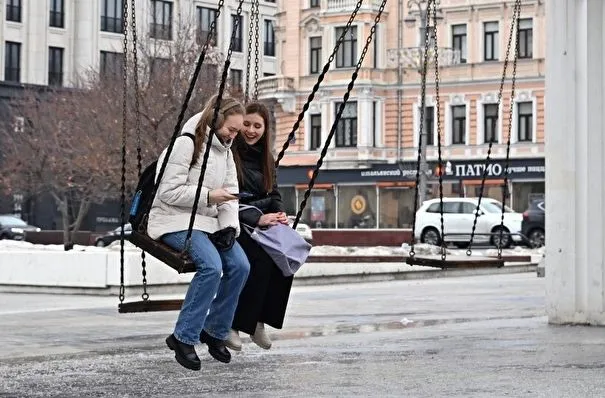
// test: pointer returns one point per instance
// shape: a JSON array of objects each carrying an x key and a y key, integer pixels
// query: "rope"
[{"x": 338, "y": 115}]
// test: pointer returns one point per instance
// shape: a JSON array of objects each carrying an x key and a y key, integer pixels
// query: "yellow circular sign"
[{"x": 358, "y": 204}]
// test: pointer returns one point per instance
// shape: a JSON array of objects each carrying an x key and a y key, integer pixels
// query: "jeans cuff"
[
  {"x": 184, "y": 341},
  {"x": 212, "y": 333}
]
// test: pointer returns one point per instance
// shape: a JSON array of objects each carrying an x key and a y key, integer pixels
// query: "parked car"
[
  {"x": 113, "y": 235},
  {"x": 12, "y": 227},
  {"x": 458, "y": 218},
  {"x": 303, "y": 229},
  {"x": 533, "y": 223}
]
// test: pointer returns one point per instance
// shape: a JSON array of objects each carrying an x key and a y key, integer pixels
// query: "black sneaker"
[
  {"x": 216, "y": 347},
  {"x": 184, "y": 353}
]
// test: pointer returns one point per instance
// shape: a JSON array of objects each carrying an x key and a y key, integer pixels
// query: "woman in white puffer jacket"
[{"x": 221, "y": 265}]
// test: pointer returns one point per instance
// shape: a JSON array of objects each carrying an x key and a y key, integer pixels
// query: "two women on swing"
[{"x": 236, "y": 286}]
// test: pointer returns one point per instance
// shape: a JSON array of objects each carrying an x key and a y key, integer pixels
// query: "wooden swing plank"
[
  {"x": 455, "y": 261},
  {"x": 182, "y": 264},
  {"x": 150, "y": 306}
]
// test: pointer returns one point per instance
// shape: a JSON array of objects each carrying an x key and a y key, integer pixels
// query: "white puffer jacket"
[{"x": 173, "y": 203}]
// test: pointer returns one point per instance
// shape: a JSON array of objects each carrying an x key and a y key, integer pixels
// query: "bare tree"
[{"x": 70, "y": 143}]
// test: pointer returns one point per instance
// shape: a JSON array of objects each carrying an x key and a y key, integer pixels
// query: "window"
[
  {"x": 428, "y": 126},
  {"x": 459, "y": 124},
  {"x": 111, "y": 64},
  {"x": 236, "y": 79},
  {"x": 55, "y": 66},
  {"x": 525, "y": 121},
  {"x": 526, "y": 40},
  {"x": 346, "y": 57},
  {"x": 315, "y": 132},
  {"x": 111, "y": 16},
  {"x": 448, "y": 207},
  {"x": 374, "y": 123},
  {"x": 57, "y": 13},
  {"x": 490, "y": 123},
  {"x": 313, "y": 3},
  {"x": 161, "y": 20},
  {"x": 315, "y": 54},
  {"x": 239, "y": 32},
  {"x": 490, "y": 41},
  {"x": 459, "y": 41},
  {"x": 12, "y": 62},
  {"x": 205, "y": 17},
  {"x": 346, "y": 130},
  {"x": 269, "y": 38},
  {"x": 13, "y": 10}
]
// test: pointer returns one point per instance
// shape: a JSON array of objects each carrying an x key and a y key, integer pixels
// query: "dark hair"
[
  {"x": 268, "y": 163},
  {"x": 229, "y": 106}
]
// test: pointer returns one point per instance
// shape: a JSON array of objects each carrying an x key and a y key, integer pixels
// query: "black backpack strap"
[{"x": 190, "y": 136}]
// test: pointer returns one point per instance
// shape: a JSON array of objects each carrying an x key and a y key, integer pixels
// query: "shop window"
[
  {"x": 523, "y": 192},
  {"x": 396, "y": 207},
  {"x": 357, "y": 207},
  {"x": 288, "y": 198},
  {"x": 320, "y": 211},
  {"x": 493, "y": 191}
]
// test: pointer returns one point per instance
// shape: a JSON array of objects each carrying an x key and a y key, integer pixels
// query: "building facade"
[
  {"x": 368, "y": 175},
  {"x": 57, "y": 42}
]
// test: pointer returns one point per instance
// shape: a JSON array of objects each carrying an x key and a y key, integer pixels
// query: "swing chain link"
[
  {"x": 212, "y": 132},
  {"x": 412, "y": 252},
  {"x": 516, "y": 12},
  {"x": 516, "y": 16},
  {"x": 249, "y": 51},
  {"x": 345, "y": 98},
  {"x": 137, "y": 110},
  {"x": 320, "y": 78},
  {"x": 256, "y": 51},
  {"x": 124, "y": 132},
  {"x": 438, "y": 106}
]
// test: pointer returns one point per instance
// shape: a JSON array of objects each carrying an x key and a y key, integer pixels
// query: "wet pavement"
[{"x": 483, "y": 336}]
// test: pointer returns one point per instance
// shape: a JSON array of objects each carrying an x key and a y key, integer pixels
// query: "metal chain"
[
  {"x": 124, "y": 133},
  {"x": 438, "y": 105},
  {"x": 249, "y": 50},
  {"x": 412, "y": 252},
  {"x": 345, "y": 98},
  {"x": 256, "y": 52},
  {"x": 517, "y": 9},
  {"x": 137, "y": 124},
  {"x": 317, "y": 84},
  {"x": 177, "y": 126},
  {"x": 212, "y": 130},
  {"x": 517, "y": 15}
]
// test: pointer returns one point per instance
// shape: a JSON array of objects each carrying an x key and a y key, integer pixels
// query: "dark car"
[
  {"x": 113, "y": 235},
  {"x": 12, "y": 227},
  {"x": 532, "y": 225}
]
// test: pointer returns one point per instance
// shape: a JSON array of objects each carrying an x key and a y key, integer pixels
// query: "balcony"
[
  {"x": 279, "y": 88},
  {"x": 347, "y": 6}
]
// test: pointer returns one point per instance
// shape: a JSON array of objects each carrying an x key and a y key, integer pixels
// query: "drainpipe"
[{"x": 399, "y": 78}]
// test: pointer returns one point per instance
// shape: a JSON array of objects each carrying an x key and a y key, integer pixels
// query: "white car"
[
  {"x": 303, "y": 229},
  {"x": 458, "y": 217}
]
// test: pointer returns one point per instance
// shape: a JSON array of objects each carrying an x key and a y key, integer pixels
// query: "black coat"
[
  {"x": 264, "y": 298},
  {"x": 252, "y": 181}
]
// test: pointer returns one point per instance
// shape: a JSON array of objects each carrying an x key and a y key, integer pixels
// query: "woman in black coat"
[{"x": 265, "y": 295}]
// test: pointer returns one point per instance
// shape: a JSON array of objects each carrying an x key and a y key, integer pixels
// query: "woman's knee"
[{"x": 239, "y": 261}]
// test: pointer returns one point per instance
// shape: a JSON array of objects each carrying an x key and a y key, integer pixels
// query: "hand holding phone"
[{"x": 243, "y": 195}]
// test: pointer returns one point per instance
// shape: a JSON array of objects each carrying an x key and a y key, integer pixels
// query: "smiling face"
[
  {"x": 231, "y": 127},
  {"x": 254, "y": 128}
]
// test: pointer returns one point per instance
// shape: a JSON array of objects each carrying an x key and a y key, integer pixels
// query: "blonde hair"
[{"x": 228, "y": 106}]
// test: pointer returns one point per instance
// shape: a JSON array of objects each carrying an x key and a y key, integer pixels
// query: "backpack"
[{"x": 142, "y": 199}]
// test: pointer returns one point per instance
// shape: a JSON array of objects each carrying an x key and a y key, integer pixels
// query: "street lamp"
[{"x": 419, "y": 9}]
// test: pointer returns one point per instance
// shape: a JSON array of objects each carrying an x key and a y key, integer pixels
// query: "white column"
[{"x": 575, "y": 165}]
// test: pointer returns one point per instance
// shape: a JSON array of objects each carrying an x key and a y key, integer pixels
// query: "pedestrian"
[
  {"x": 221, "y": 265},
  {"x": 265, "y": 295}
]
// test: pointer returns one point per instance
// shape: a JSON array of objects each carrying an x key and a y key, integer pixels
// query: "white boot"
[
  {"x": 233, "y": 341},
  {"x": 260, "y": 337}
]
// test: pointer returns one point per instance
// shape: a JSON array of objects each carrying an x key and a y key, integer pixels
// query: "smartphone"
[{"x": 243, "y": 195}]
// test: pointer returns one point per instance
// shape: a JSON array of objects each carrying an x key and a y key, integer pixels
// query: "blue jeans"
[{"x": 206, "y": 283}]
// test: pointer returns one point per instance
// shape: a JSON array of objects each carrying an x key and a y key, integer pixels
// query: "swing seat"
[
  {"x": 455, "y": 261},
  {"x": 150, "y": 306},
  {"x": 176, "y": 260}
]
